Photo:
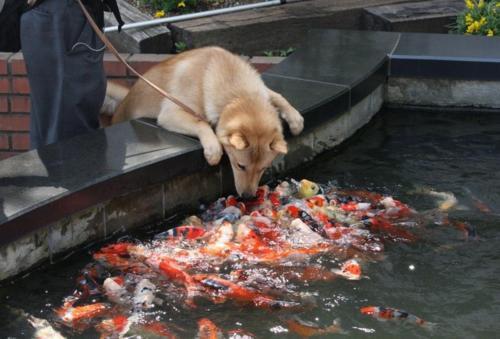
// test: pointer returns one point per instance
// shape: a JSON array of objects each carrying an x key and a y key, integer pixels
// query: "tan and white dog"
[{"x": 242, "y": 113}]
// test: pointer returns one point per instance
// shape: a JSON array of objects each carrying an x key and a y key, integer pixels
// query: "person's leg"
[{"x": 64, "y": 62}]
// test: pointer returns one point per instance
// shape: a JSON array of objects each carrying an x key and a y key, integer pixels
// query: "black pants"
[{"x": 65, "y": 70}]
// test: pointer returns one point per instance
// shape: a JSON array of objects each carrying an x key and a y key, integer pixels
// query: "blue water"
[{"x": 441, "y": 278}]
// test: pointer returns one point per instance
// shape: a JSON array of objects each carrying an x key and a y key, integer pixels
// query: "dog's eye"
[{"x": 241, "y": 167}]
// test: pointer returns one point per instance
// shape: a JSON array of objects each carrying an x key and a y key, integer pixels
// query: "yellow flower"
[
  {"x": 497, "y": 5},
  {"x": 490, "y": 32},
  {"x": 159, "y": 14},
  {"x": 468, "y": 19},
  {"x": 469, "y": 4},
  {"x": 181, "y": 4},
  {"x": 480, "y": 4}
]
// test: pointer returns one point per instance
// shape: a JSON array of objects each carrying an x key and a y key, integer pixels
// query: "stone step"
[
  {"x": 155, "y": 39},
  {"x": 279, "y": 27},
  {"x": 426, "y": 16}
]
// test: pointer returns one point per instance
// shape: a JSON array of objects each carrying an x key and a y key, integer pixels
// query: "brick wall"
[{"x": 15, "y": 101}]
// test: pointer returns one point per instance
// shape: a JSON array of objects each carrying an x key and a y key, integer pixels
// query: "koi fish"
[
  {"x": 208, "y": 330},
  {"x": 186, "y": 232},
  {"x": 114, "y": 327},
  {"x": 307, "y": 189},
  {"x": 221, "y": 290},
  {"x": 382, "y": 225},
  {"x": 478, "y": 203},
  {"x": 158, "y": 329},
  {"x": 350, "y": 270},
  {"x": 387, "y": 313},
  {"x": 469, "y": 230},
  {"x": 78, "y": 316},
  {"x": 447, "y": 200},
  {"x": 308, "y": 329},
  {"x": 43, "y": 329},
  {"x": 144, "y": 294},
  {"x": 115, "y": 290}
]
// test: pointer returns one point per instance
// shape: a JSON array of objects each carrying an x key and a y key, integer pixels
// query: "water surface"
[{"x": 453, "y": 283}]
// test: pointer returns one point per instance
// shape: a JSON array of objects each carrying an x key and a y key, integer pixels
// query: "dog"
[{"x": 242, "y": 115}]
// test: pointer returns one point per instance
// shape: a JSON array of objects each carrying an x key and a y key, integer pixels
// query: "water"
[{"x": 453, "y": 283}]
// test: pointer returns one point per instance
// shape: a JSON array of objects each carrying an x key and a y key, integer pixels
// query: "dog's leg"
[
  {"x": 287, "y": 112},
  {"x": 177, "y": 120}
]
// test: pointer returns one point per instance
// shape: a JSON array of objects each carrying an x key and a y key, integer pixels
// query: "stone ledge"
[{"x": 425, "y": 16}]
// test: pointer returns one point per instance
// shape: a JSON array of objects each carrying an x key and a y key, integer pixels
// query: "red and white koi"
[{"x": 388, "y": 313}]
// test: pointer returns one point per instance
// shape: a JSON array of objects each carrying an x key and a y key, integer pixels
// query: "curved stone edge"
[{"x": 184, "y": 193}]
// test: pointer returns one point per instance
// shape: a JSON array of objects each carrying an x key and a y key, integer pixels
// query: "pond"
[{"x": 442, "y": 277}]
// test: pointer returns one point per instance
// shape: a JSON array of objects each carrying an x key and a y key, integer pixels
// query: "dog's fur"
[{"x": 230, "y": 94}]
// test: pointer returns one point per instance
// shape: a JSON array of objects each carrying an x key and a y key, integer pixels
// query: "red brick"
[
  {"x": 14, "y": 123},
  {"x": 20, "y": 142},
  {"x": 143, "y": 62},
  {"x": 20, "y": 85},
  {"x": 4, "y": 142},
  {"x": 4, "y": 57},
  {"x": 5, "y": 155},
  {"x": 261, "y": 68},
  {"x": 17, "y": 65},
  {"x": 20, "y": 104},
  {"x": 4, "y": 85},
  {"x": 113, "y": 67},
  {"x": 4, "y": 104}
]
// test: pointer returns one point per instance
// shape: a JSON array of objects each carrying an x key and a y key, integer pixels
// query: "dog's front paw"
[
  {"x": 213, "y": 152},
  {"x": 295, "y": 122}
]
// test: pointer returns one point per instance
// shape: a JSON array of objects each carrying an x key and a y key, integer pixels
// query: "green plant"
[
  {"x": 182, "y": 6},
  {"x": 480, "y": 18},
  {"x": 279, "y": 52},
  {"x": 180, "y": 46}
]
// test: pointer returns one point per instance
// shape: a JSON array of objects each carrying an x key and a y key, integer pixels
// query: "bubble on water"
[
  {"x": 411, "y": 267},
  {"x": 278, "y": 329},
  {"x": 238, "y": 323}
]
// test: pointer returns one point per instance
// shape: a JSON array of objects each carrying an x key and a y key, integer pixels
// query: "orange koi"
[
  {"x": 185, "y": 232},
  {"x": 208, "y": 330},
  {"x": 469, "y": 230},
  {"x": 115, "y": 326},
  {"x": 76, "y": 317},
  {"x": 175, "y": 272},
  {"x": 351, "y": 270},
  {"x": 388, "y": 313},
  {"x": 308, "y": 329},
  {"x": 159, "y": 329},
  {"x": 382, "y": 225},
  {"x": 222, "y": 289}
]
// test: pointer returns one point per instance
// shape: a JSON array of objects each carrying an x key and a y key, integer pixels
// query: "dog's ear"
[
  {"x": 279, "y": 145},
  {"x": 238, "y": 141}
]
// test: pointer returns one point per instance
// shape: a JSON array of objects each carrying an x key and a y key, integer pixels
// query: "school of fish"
[{"x": 243, "y": 253}]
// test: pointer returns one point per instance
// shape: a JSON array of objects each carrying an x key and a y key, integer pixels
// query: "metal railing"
[{"x": 177, "y": 18}]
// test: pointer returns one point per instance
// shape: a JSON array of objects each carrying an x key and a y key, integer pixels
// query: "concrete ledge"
[
  {"x": 153, "y": 202},
  {"x": 443, "y": 93}
]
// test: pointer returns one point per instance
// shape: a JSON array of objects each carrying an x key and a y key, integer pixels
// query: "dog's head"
[{"x": 251, "y": 133}]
